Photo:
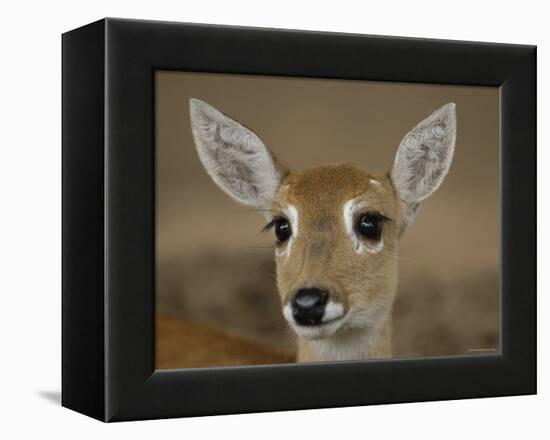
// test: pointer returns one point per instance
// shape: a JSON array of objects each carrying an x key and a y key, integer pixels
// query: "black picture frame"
[{"x": 108, "y": 219}]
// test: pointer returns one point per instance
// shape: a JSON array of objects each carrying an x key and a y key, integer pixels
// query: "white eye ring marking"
[
  {"x": 350, "y": 208},
  {"x": 292, "y": 214}
]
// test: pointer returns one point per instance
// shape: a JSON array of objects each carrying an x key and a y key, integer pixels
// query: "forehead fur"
[{"x": 326, "y": 188}]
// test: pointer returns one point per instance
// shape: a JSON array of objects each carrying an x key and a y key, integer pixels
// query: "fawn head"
[{"x": 336, "y": 227}]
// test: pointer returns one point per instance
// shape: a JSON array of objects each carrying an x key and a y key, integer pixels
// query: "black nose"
[{"x": 308, "y": 305}]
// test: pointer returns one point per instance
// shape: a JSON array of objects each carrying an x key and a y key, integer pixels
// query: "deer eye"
[
  {"x": 282, "y": 229},
  {"x": 370, "y": 226}
]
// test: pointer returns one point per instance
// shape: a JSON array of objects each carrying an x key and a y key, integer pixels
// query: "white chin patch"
[
  {"x": 332, "y": 320},
  {"x": 333, "y": 311}
]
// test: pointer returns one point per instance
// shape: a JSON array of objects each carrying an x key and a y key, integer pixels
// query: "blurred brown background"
[{"x": 216, "y": 298}]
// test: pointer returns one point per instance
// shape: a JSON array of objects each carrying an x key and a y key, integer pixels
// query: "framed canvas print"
[{"x": 263, "y": 219}]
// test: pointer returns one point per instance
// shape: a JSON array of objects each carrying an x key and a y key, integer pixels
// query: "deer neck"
[{"x": 356, "y": 344}]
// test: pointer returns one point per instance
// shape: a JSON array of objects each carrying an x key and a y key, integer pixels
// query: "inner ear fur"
[
  {"x": 424, "y": 158},
  {"x": 235, "y": 157}
]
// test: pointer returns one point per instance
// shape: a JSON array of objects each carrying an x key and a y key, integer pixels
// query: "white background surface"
[{"x": 30, "y": 250}]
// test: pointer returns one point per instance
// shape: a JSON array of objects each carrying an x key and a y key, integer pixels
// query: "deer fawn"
[{"x": 337, "y": 227}]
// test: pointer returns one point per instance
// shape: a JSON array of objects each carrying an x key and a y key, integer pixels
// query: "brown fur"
[{"x": 323, "y": 256}]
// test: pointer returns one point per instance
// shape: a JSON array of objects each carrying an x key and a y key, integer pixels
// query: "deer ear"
[
  {"x": 234, "y": 157},
  {"x": 424, "y": 158}
]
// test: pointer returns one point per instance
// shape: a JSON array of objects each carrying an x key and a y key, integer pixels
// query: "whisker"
[{"x": 261, "y": 210}]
